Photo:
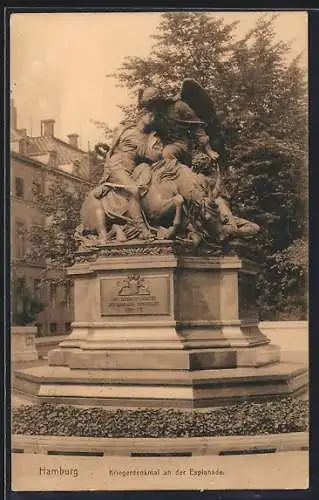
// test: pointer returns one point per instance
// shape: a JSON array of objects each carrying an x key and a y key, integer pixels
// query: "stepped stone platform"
[
  {"x": 157, "y": 324},
  {"x": 152, "y": 388}
]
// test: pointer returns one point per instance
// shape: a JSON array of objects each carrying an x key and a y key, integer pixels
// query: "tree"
[
  {"x": 107, "y": 131},
  {"x": 97, "y": 163},
  {"x": 25, "y": 307},
  {"x": 53, "y": 243},
  {"x": 261, "y": 102}
]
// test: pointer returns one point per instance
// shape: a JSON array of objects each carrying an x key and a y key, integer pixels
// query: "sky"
[{"x": 59, "y": 63}]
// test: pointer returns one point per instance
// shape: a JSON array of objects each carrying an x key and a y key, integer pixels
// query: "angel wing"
[{"x": 198, "y": 99}]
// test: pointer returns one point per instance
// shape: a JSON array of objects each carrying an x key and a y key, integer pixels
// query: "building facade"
[{"x": 35, "y": 163}]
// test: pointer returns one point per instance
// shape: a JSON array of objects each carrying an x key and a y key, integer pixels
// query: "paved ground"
[{"x": 19, "y": 399}]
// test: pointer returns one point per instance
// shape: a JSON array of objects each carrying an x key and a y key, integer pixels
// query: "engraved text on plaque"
[{"x": 135, "y": 295}]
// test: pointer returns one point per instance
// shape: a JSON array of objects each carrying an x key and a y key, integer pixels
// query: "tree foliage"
[
  {"x": 25, "y": 307},
  {"x": 53, "y": 243},
  {"x": 261, "y": 102}
]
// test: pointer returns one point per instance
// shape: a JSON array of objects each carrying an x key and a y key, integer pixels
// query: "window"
[
  {"x": 37, "y": 287},
  {"x": 19, "y": 187},
  {"x": 53, "y": 294},
  {"x": 49, "y": 187},
  {"x": 20, "y": 241},
  {"x": 68, "y": 328},
  {"x": 36, "y": 191},
  {"x": 53, "y": 327},
  {"x": 67, "y": 298},
  {"x": 18, "y": 298},
  {"x": 20, "y": 285}
]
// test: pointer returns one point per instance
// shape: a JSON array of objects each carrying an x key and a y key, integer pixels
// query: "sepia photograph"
[{"x": 159, "y": 250}]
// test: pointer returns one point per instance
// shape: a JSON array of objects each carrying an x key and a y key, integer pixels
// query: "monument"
[{"x": 165, "y": 311}]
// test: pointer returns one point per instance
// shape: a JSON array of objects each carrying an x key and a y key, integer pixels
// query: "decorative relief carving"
[
  {"x": 154, "y": 249},
  {"x": 134, "y": 284}
]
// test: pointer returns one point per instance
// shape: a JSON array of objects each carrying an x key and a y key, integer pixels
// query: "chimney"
[
  {"x": 73, "y": 140},
  {"x": 13, "y": 116},
  {"x": 23, "y": 132},
  {"x": 47, "y": 128},
  {"x": 23, "y": 146}
]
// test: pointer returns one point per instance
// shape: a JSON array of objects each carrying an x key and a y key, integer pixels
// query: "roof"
[
  {"x": 61, "y": 169},
  {"x": 66, "y": 154}
]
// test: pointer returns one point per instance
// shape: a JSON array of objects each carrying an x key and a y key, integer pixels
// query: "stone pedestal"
[
  {"x": 162, "y": 310},
  {"x": 23, "y": 343},
  {"x": 156, "y": 325}
]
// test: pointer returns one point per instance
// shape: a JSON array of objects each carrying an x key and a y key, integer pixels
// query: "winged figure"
[{"x": 184, "y": 120}]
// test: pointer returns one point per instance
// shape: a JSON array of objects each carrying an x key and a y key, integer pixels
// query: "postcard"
[{"x": 159, "y": 251}]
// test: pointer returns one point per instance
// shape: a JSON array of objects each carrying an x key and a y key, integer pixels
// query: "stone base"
[
  {"x": 161, "y": 388},
  {"x": 23, "y": 343},
  {"x": 157, "y": 325},
  {"x": 164, "y": 359}
]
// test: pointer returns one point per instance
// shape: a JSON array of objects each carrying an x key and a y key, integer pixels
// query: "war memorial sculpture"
[{"x": 161, "y": 318}]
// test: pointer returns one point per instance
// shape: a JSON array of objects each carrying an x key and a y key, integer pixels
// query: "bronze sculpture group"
[{"x": 149, "y": 189}]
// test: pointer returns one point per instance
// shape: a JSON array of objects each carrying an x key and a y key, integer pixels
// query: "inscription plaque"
[{"x": 134, "y": 294}]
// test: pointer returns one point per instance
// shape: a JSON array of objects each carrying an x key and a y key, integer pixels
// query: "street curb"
[{"x": 160, "y": 447}]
